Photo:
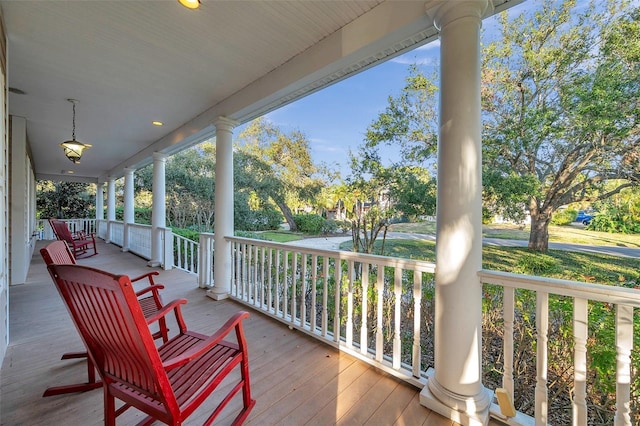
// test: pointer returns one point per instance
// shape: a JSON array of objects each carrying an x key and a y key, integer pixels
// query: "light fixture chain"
[{"x": 73, "y": 132}]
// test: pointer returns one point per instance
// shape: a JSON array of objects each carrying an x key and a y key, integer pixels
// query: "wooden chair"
[
  {"x": 167, "y": 383},
  {"x": 58, "y": 253},
  {"x": 79, "y": 243}
]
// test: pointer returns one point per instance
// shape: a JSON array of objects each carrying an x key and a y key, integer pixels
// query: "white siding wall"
[{"x": 4, "y": 203}]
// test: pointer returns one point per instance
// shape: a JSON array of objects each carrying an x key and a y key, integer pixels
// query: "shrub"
[
  {"x": 309, "y": 223},
  {"x": 564, "y": 217},
  {"x": 329, "y": 226}
]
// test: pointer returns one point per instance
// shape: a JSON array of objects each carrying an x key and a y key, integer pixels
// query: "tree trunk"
[
  {"x": 288, "y": 216},
  {"x": 539, "y": 235}
]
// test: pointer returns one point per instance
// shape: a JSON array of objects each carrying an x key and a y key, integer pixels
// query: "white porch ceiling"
[{"x": 129, "y": 63}]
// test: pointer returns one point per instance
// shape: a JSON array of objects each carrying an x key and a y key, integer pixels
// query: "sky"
[{"x": 336, "y": 118}]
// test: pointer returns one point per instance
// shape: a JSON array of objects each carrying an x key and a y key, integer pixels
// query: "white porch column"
[
  {"x": 456, "y": 390},
  {"x": 223, "y": 208},
  {"x": 111, "y": 205},
  {"x": 158, "y": 214},
  {"x": 99, "y": 201},
  {"x": 129, "y": 205}
]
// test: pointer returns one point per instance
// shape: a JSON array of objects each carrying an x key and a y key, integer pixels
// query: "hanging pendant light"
[{"x": 73, "y": 149}]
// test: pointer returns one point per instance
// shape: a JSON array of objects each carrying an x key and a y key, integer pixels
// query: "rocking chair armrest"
[
  {"x": 148, "y": 275},
  {"x": 152, "y": 288},
  {"x": 232, "y": 323},
  {"x": 174, "y": 305}
]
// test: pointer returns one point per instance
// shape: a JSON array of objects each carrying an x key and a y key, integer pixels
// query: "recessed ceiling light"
[
  {"x": 67, "y": 172},
  {"x": 190, "y": 4},
  {"x": 157, "y": 123}
]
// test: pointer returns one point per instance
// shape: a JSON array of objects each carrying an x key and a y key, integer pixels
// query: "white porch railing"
[
  {"x": 46, "y": 233},
  {"x": 116, "y": 233},
  {"x": 185, "y": 254},
  {"x": 139, "y": 239},
  {"x": 613, "y": 310},
  {"x": 372, "y": 307}
]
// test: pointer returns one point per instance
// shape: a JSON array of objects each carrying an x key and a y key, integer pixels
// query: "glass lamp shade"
[
  {"x": 190, "y": 4},
  {"x": 73, "y": 150}
]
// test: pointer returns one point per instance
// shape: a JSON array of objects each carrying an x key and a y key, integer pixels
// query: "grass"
[
  {"x": 281, "y": 236},
  {"x": 572, "y": 234},
  {"x": 585, "y": 267}
]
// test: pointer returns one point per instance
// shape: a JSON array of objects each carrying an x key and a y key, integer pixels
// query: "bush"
[
  {"x": 329, "y": 227},
  {"x": 309, "y": 223},
  {"x": 564, "y": 217},
  {"x": 187, "y": 233}
]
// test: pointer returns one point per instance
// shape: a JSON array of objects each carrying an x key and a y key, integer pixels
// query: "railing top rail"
[
  {"x": 597, "y": 292},
  {"x": 418, "y": 265},
  {"x": 139, "y": 225}
]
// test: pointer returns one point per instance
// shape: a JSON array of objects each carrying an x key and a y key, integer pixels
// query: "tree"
[
  {"x": 64, "y": 200},
  {"x": 560, "y": 106},
  {"x": 282, "y": 168}
]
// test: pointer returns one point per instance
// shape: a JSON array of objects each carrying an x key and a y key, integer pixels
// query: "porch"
[{"x": 295, "y": 379}]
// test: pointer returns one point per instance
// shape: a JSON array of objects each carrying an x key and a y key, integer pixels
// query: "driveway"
[{"x": 333, "y": 243}]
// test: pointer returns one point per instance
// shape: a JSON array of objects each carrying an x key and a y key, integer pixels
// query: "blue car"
[{"x": 583, "y": 217}]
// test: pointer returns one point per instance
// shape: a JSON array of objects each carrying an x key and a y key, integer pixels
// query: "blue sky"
[{"x": 336, "y": 118}]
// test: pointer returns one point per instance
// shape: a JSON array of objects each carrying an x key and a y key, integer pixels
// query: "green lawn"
[
  {"x": 575, "y": 234},
  {"x": 281, "y": 237},
  {"x": 589, "y": 267}
]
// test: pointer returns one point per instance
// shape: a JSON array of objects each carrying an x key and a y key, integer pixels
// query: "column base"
[
  {"x": 215, "y": 295},
  {"x": 472, "y": 411},
  {"x": 154, "y": 263}
]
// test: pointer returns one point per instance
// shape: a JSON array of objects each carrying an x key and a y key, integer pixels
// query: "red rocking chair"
[
  {"x": 79, "y": 243},
  {"x": 58, "y": 253},
  {"x": 169, "y": 382}
]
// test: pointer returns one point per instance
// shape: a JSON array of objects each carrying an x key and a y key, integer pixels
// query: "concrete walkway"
[{"x": 333, "y": 243}]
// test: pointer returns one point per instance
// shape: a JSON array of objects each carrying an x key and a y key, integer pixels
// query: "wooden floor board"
[{"x": 296, "y": 380}]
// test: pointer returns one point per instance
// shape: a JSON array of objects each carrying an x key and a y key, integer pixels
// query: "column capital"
[
  {"x": 159, "y": 156},
  {"x": 225, "y": 124},
  {"x": 444, "y": 12},
  {"x": 129, "y": 170}
]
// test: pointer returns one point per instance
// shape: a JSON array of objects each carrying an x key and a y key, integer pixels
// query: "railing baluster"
[
  {"x": 276, "y": 310},
  {"x": 624, "y": 344},
  {"x": 271, "y": 270},
  {"x": 303, "y": 291},
  {"x": 397, "y": 291},
  {"x": 294, "y": 286},
  {"x": 508, "y": 309},
  {"x": 337, "y": 273},
  {"x": 542, "y": 326},
  {"x": 580, "y": 329},
  {"x": 325, "y": 295},
  {"x": 285, "y": 284},
  {"x": 262, "y": 263},
  {"x": 314, "y": 282},
  {"x": 349, "y": 325},
  {"x": 255, "y": 287},
  {"x": 364, "y": 332},
  {"x": 417, "y": 304},
  {"x": 379, "y": 313}
]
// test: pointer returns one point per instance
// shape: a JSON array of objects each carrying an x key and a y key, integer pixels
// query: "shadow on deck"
[{"x": 294, "y": 379}]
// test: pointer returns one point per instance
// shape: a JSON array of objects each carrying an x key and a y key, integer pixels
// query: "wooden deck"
[{"x": 295, "y": 379}]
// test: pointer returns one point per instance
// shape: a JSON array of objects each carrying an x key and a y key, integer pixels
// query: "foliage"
[
  {"x": 142, "y": 215},
  {"x": 619, "y": 214},
  {"x": 190, "y": 234},
  {"x": 279, "y": 167},
  {"x": 309, "y": 223},
  {"x": 64, "y": 200},
  {"x": 560, "y": 105},
  {"x": 564, "y": 217}
]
